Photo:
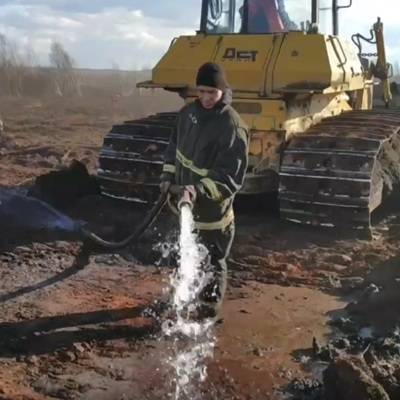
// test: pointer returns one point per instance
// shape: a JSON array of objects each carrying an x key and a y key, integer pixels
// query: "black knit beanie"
[{"x": 212, "y": 75}]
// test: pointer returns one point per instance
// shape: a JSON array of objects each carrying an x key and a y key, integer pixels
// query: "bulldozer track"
[
  {"x": 131, "y": 158},
  {"x": 339, "y": 170},
  {"x": 336, "y": 173}
]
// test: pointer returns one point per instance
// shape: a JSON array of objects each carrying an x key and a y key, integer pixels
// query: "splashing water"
[{"x": 194, "y": 340}]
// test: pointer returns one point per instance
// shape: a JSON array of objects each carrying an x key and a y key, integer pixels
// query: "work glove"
[
  {"x": 180, "y": 191},
  {"x": 191, "y": 192}
]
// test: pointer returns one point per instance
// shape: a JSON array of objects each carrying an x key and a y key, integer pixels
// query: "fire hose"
[
  {"x": 151, "y": 216},
  {"x": 136, "y": 234},
  {"x": 21, "y": 211}
]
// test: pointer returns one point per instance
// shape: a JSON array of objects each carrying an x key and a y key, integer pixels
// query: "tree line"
[{"x": 21, "y": 74}]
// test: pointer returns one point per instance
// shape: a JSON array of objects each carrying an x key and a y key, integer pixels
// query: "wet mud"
[{"x": 307, "y": 310}]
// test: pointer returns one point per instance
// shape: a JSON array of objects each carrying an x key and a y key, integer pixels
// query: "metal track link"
[
  {"x": 131, "y": 158},
  {"x": 337, "y": 172}
]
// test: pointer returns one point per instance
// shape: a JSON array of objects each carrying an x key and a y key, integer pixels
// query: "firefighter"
[{"x": 206, "y": 160}]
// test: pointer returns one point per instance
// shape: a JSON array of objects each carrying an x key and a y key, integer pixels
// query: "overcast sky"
[{"x": 135, "y": 33}]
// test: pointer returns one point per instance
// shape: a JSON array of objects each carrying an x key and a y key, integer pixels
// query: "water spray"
[{"x": 191, "y": 353}]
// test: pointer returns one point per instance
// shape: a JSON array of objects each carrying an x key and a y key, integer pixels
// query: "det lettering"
[{"x": 233, "y": 54}]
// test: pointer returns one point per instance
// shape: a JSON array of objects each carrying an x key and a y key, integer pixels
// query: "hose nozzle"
[{"x": 186, "y": 199}]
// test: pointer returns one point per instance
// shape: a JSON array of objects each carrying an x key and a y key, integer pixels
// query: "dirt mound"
[
  {"x": 376, "y": 305},
  {"x": 371, "y": 373},
  {"x": 351, "y": 378},
  {"x": 364, "y": 356},
  {"x": 64, "y": 187}
]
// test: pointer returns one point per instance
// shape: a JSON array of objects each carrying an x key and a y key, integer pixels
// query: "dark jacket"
[{"x": 209, "y": 150}]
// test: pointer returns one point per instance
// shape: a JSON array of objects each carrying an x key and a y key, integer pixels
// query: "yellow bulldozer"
[{"x": 305, "y": 92}]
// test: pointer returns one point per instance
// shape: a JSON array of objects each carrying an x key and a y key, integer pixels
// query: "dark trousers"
[{"x": 218, "y": 244}]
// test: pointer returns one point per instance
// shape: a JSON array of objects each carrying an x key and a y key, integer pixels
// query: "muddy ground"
[{"x": 78, "y": 323}]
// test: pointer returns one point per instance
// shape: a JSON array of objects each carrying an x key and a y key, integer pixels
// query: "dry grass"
[{"x": 72, "y": 126}]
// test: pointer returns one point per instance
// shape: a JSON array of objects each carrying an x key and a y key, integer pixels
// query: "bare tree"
[
  {"x": 11, "y": 67},
  {"x": 30, "y": 57},
  {"x": 66, "y": 79}
]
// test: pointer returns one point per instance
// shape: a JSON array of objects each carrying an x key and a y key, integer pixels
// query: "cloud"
[
  {"x": 156, "y": 8},
  {"x": 96, "y": 36},
  {"x": 135, "y": 33},
  {"x": 361, "y": 17},
  {"x": 357, "y": 19}
]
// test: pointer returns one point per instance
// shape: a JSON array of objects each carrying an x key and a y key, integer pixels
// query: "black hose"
[
  {"x": 357, "y": 37},
  {"x": 136, "y": 234}
]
